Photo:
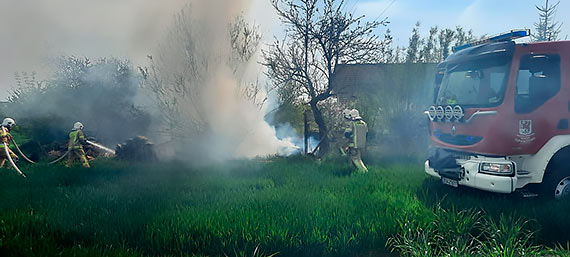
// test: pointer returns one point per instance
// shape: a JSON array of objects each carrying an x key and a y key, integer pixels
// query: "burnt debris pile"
[{"x": 138, "y": 148}]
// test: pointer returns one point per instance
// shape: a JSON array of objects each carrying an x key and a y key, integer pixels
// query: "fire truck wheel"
[{"x": 556, "y": 184}]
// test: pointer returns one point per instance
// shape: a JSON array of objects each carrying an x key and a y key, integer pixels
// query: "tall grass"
[
  {"x": 278, "y": 206},
  {"x": 548, "y": 219},
  {"x": 465, "y": 233}
]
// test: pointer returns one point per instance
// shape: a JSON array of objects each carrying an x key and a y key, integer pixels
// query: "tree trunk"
[{"x": 324, "y": 145}]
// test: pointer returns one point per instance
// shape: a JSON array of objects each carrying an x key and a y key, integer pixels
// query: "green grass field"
[{"x": 284, "y": 206}]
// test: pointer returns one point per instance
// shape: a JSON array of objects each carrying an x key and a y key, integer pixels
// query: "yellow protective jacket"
[
  {"x": 6, "y": 137},
  {"x": 356, "y": 132},
  {"x": 76, "y": 138}
]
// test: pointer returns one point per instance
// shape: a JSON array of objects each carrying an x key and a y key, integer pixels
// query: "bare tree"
[
  {"x": 547, "y": 28},
  {"x": 316, "y": 40},
  {"x": 244, "y": 40},
  {"x": 185, "y": 64},
  {"x": 175, "y": 78},
  {"x": 26, "y": 84}
]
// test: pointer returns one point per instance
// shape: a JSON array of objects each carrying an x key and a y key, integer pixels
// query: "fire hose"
[
  {"x": 60, "y": 158},
  {"x": 7, "y": 152},
  {"x": 106, "y": 149},
  {"x": 21, "y": 153}
]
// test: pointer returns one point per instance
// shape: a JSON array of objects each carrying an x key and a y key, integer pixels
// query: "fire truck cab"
[{"x": 500, "y": 120}]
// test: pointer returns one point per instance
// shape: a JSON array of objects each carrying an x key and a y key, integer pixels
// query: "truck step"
[{"x": 527, "y": 194}]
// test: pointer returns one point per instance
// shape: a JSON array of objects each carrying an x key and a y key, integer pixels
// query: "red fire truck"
[{"x": 500, "y": 121}]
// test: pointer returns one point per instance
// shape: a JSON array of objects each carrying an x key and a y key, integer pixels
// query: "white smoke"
[
  {"x": 237, "y": 124},
  {"x": 286, "y": 132},
  {"x": 201, "y": 84},
  {"x": 217, "y": 120}
]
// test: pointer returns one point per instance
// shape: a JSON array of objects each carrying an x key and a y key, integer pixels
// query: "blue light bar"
[{"x": 513, "y": 34}]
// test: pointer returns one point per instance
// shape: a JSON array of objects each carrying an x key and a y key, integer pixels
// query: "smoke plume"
[
  {"x": 99, "y": 93},
  {"x": 203, "y": 87},
  {"x": 203, "y": 75}
]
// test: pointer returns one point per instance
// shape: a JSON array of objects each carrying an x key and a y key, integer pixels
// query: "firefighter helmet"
[
  {"x": 77, "y": 125},
  {"x": 9, "y": 123},
  {"x": 355, "y": 115},
  {"x": 346, "y": 114}
]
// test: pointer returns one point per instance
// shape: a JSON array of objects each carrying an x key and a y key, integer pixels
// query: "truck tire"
[{"x": 556, "y": 183}]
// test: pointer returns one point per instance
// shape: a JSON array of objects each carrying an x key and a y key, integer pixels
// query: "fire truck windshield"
[{"x": 478, "y": 82}]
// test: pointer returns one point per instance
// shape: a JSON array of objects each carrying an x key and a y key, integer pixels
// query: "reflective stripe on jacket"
[
  {"x": 5, "y": 137},
  {"x": 76, "y": 137},
  {"x": 359, "y": 131}
]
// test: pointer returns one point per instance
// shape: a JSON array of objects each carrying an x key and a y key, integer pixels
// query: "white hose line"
[
  {"x": 60, "y": 158},
  {"x": 7, "y": 152},
  {"x": 106, "y": 149},
  {"x": 21, "y": 153}
]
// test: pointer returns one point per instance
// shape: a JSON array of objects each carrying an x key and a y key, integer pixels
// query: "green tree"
[
  {"x": 389, "y": 50},
  {"x": 547, "y": 27},
  {"x": 445, "y": 40},
  {"x": 413, "y": 54},
  {"x": 462, "y": 37},
  {"x": 428, "y": 52},
  {"x": 433, "y": 48}
]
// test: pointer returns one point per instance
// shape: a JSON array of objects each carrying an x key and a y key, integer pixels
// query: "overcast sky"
[{"x": 33, "y": 30}]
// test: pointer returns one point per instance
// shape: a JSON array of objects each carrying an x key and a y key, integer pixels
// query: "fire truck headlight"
[
  {"x": 439, "y": 112},
  {"x": 431, "y": 113},
  {"x": 496, "y": 168},
  {"x": 458, "y": 112},
  {"x": 449, "y": 112}
]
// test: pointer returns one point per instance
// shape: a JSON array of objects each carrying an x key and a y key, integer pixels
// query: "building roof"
[{"x": 374, "y": 78}]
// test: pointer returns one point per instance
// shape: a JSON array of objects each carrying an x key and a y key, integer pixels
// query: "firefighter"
[
  {"x": 356, "y": 134},
  {"x": 75, "y": 147},
  {"x": 6, "y": 126},
  {"x": 344, "y": 148}
]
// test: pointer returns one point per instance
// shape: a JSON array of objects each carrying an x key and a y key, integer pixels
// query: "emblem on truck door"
[
  {"x": 525, "y": 135},
  {"x": 525, "y": 127}
]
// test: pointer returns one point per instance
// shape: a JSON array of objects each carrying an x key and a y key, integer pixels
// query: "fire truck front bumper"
[{"x": 474, "y": 173}]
